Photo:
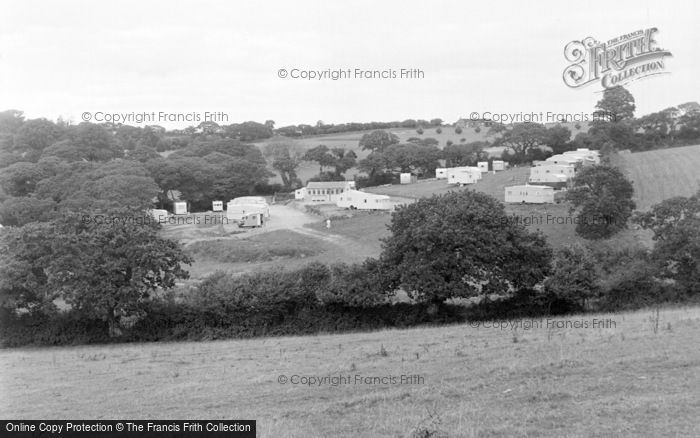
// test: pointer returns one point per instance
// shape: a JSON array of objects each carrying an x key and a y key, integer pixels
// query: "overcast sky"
[{"x": 65, "y": 58}]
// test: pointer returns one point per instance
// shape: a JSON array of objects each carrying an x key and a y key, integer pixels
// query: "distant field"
[
  {"x": 350, "y": 141},
  {"x": 632, "y": 376},
  {"x": 662, "y": 174}
]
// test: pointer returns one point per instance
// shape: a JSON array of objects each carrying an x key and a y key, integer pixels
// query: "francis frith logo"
[{"x": 615, "y": 62}]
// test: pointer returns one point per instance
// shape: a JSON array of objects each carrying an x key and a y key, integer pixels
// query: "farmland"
[
  {"x": 477, "y": 380},
  {"x": 662, "y": 174}
]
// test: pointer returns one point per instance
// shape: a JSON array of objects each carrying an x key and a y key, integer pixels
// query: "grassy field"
[
  {"x": 662, "y": 174},
  {"x": 635, "y": 375},
  {"x": 278, "y": 244}
]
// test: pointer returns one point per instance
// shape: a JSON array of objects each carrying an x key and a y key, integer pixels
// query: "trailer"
[
  {"x": 483, "y": 166},
  {"x": 473, "y": 169},
  {"x": 498, "y": 165},
  {"x": 358, "y": 200},
  {"x": 441, "y": 173},
  {"x": 528, "y": 194},
  {"x": 462, "y": 177},
  {"x": 180, "y": 207},
  {"x": 408, "y": 178},
  {"x": 239, "y": 207},
  {"x": 252, "y": 220},
  {"x": 217, "y": 206}
]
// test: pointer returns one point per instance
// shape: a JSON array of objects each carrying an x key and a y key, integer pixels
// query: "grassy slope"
[
  {"x": 662, "y": 174},
  {"x": 621, "y": 381}
]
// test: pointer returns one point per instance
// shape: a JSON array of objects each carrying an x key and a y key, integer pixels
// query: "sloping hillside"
[{"x": 662, "y": 174}]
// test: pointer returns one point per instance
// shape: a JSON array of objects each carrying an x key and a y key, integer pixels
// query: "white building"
[
  {"x": 528, "y": 194},
  {"x": 159, "y": 215},
  {"x": 217, "y": 206},
  {"x": 355, "y": 199},
  {"x": 498, "y": 165},
  {"x": 408, "y": 178},
  {"x": 239, "y": 207},
  {"x": 441, "y": 173},
  {"x": 324, "y": 191},
  {"x": 300, "y": 194},
  {"x": 483, "y": 166}
]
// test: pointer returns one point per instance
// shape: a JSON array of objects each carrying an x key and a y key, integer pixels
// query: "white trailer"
[
  {"x": 528, "y": 194},
  {"x": 357, "y": 200},
  {"x": 564, "y": 159},
  {"x": 441, "y": 173},
  {"x": 217, "y": 206},
  {"x": 462, "y": 177},
  {"x": 483, "y": 166},
  {"x": 475, "y": 170},
  {"x": 180, "y": 207},
  {"x": 408, "y": 178},
  {"x": 498, "y": 165},
  {"x": 239, "y": 207}
]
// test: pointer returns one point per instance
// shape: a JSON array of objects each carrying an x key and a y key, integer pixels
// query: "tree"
[
  {"x": 36, "y": 135},
  {"x": 378, "y": 140},
  {"x": 191, "y": 176},
  {"x": 557, "y": 137},
  {"x": 616, "y": 105},
  {"x": 573, "y": 276},
  {"x": 603, "y": 196},
  {"x": 461, "y": 244},
  {"x": 465, "y": 154},
  {"x": 20, "y": 179},
  {"x": 458, "y": 130},
  {"x": 285, "y": 160},
  {"x": 11, "y": 121},
  {"x": 320, "y": 154},
  {"x": 520, "y": 137},
  {"x": 675, "y": 223},
  {"x": 103, "y": 270}
]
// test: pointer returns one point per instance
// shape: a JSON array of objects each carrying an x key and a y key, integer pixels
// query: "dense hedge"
[{"x": 314, "y": 299}]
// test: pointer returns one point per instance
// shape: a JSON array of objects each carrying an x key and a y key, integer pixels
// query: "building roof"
[{"x": 327, "y": 184}]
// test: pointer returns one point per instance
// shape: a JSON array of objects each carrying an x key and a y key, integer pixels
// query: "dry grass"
[
  {"x": 639, "y": 378},
  {"x": 662, "y": 174}
]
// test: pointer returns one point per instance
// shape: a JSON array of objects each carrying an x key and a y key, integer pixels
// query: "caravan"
[
  {"x": 528, "y": 194},
  {"x": 357, "y": 200}
]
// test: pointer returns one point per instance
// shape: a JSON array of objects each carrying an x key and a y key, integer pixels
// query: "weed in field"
[
  {"x": 429, "y": 427},
  {"x": 383, "y": 352}
]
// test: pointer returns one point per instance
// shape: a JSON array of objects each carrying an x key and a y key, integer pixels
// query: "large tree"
[
  {"x": 378, "y": 140},
  {"x": 675, "y": 223},
  {"x": 574, "y": 275},
  {"x": 521, "y": 138},
  {"x": 616, "y": 105},
  {"x": 105, "y": 270},
  {"x": 603, "y": 197},
  {"x": 461, "y": 244},
  {"x": 285, "y": 160}
]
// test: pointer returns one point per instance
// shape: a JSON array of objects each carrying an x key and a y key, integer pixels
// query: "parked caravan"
[
  {"x": 557, "y": 181},
  {"x": 498, "y": 165},
  {"x": 217, "y": 206},
  {"x": 300, "y": 194},
  {"x": 528, "y": 194},
  {"x": 408, "y": 178},
  {"x": 564, "y": 159},
  {"x": 483, "y": 166},
  {"x": 357, "y": 200},
  {"x": 462, "y": 177},
  {"x": 239, "y": 207},
  {"x": 252, "y": 220},
  {"x": 475, "y": 170},
  {"x": 180, "y": 207},
  {"x": 441, "y": 173}
]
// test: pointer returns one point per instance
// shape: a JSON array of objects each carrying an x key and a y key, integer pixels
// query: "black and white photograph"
[{"x": 310, "y": 218}]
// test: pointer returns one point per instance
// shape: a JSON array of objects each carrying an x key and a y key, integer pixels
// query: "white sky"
[{"x": 64, "y": 58}]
